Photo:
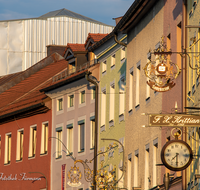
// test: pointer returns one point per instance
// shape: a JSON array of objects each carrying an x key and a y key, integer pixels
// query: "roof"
[
  {"x": 95, "y": 37},
  {"x": 133, "y": 15},
  {"x": 10, "y": 80},
  {"x": 27, "y": 92},
  {"x": 68, "y": 13},
  {"x": 75, "y": 48}
]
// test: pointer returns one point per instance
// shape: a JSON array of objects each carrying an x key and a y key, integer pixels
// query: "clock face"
[{"x": 176, "y": 155}]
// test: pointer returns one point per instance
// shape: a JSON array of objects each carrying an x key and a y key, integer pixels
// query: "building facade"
[
  {"x": 112, "y": 90},
  {"x": 25, "y": 127},
  {"x": 192, "y": 88}
]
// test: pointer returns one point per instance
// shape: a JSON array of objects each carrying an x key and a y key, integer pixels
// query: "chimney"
[
  {"x": 55, "y": 48},
  {"x": 117, "y": 19}
]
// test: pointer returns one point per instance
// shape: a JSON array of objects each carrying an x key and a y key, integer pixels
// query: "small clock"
[{"x": 176, "y": 155}]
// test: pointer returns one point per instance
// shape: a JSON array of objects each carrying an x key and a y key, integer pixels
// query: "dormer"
[
  {"x": 76, "y": 55},
  {"x": 92, "y": 39}
]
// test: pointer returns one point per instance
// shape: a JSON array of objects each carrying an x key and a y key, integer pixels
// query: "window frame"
[
  {"x": 8, "y": 143},
  {"x": 44, "y": 138},
  {"x": 32, "y": 141},
  {"x": 20, "y": 140}
]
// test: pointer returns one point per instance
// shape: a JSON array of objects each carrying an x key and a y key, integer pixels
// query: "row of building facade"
[{"x": 83, "y": 105}]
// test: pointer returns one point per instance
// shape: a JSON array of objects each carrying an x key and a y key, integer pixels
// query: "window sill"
[
  {"x": 18, "y": 160},
  {"x": 92, "y": 148},
  {"x": 130, "y": 112},
  {"x": 42, "y": 154},
  {"x": 137, "y": 106},
  {"x": 111, "y": 123},
  {"x": 121, "y": 117},
  {"x": 102, "y": 128},
  {"x": 58, "y": 157},
  {"x": 31, "y": 157},
  {"x": 69, "y": 154},
  {"x": 103, "y": 73},
  {"x": 112, "y": 67},
  {"x": 7, "y": 164},
  {"x": 81, "y": 151}
]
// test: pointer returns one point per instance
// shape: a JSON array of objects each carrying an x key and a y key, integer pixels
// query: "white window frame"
[
  {"x": 113, "y": 60},
  {"x": 70, "y": 97},
  {"x": 70, "y": 137},
  {"x": 19, "y": 148},
  {"x": 103, "y": 107},
  {"x": 44, "y": 138},
  {"x": 8, "y": 141},
  {"x": 136, "y": 168},
  {"x": 92, "y": 133},
  {"x": 104, "y": 66},
  {"x": 129, "y": 176},
  {"x": 32, "y": 141},
  {"x": 82, "y": 97},
  {"x": 112, "y": 102},
  {"x": 81, "y": 137},
  {"x": 137, "y": 90},
  {"x": 58, "y": 108},
  {"x": 131, "y": 90},
  {"x": 146, "y": 177},
  {"x": 123, "y": 53},
  {"x": 58, "y": 143},
  {"x": 122, "y": 88}
]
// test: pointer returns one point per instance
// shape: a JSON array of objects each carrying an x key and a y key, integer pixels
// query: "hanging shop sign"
[
  {"x": 174, "y": 120},
  {"x": 161, "y": 71},
  {"x": 15, "y": 177}
]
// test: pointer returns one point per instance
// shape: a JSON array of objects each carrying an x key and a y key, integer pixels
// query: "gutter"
[{"x": 96, "y": 126}]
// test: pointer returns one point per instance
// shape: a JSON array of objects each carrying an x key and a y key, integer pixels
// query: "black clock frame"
[{"x": 163, "y": 157}]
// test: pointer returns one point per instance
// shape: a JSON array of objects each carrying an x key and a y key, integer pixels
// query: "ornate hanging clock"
[{"x": 176, "y": 155}]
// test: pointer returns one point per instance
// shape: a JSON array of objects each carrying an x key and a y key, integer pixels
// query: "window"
[
  {"x": 137, "y": 90},
  {"x": 44, "y": 138},
  {"x": 113, "y": 61},
  {"x": 112, "y": 101},
  {"x": 131, "y": 89},
  {"x": 123, "y": 53},
  {"x": 7, "y": 155},
  {"x": 146, "y": 179},
  {"x": 136, "y": 158},
  {"x": 32, "y": 143},
  {"x": 70, "y": 138},
  {"x": 60, "y": 104},
  {"x": 155, "y": 150},
  {"x": 104, "y": 67},
  {"x": 129, "y": 166},
  {"x": 121, "y": 95},
  {"x": 20, "y": 140},
  {"x": 147, "y": 86},
  {"x": 58, "y": 143},
  {"x": 81, "y": 135},
  {"x": 103, "y": 107},
  {"x": 93, "y": 93},
  {"x": 92, "y": 132},
  {"x": 82, "y": 97},
  {"x": 71, "y": 101}
]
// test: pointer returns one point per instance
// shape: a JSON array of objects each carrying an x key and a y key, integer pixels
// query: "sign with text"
[
  {"x": 63, "y": 176},
  {"x": 174, "y": 120}
]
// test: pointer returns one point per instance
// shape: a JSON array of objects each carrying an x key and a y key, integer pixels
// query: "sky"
[{"x": 100, "y": 10}]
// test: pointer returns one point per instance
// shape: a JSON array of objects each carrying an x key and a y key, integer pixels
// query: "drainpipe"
[
  {"x": 96, "y": 125},
  {"x": 184, "y": 77},
  {"x": 119, "y": 42}
]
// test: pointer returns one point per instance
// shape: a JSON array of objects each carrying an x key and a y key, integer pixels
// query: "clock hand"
[{"x": 177, "y": 159}]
